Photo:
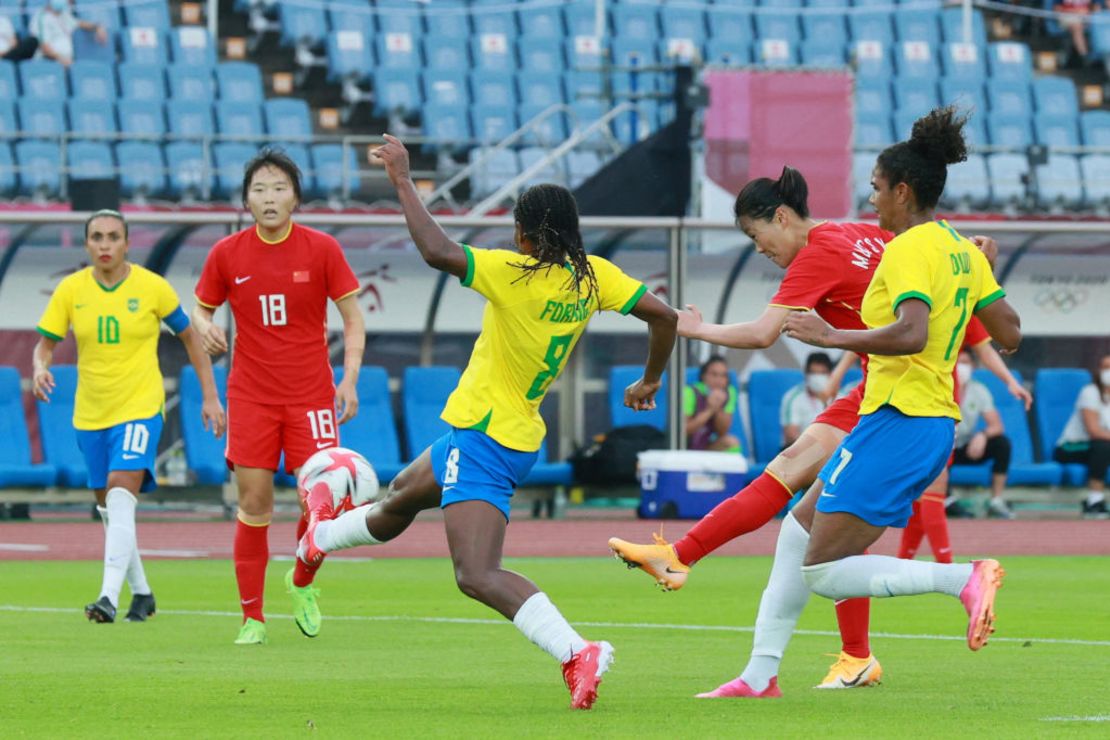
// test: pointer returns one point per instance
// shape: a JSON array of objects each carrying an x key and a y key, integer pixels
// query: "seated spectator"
[
  {"x": 53, "y": 25},
  {"x": 802, "y": 403},
  {"x": 1074, "y": 14},
  {"x": 710, "y": 406},
  {"x": 1086, "y": 439},
  {"x": 12, "y": 47},
  {"x": 974, "y": 445}
]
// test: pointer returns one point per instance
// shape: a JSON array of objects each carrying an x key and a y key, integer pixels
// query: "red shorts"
[
  {"x": 257, "y": 434},
  {"x": 843, "y": 413}
]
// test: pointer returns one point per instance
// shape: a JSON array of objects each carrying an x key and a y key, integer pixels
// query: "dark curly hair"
[
  {"x": 548, "y": 217},
  {"x": 761, "y": 197},
  {"x": 922, "y": 162}
]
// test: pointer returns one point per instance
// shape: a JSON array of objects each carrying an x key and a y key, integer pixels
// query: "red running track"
[{"x": 45, "y": 540}]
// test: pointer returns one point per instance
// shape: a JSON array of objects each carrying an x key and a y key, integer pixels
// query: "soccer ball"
[{"x": 349, "y": 475}]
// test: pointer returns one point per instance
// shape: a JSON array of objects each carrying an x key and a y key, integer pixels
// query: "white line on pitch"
[
  {"x": 1095, "y": 718},
  {"x": 605, "y": 625}
]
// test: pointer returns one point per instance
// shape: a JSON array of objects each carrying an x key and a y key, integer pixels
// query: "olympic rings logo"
[{"x": 1064, "y": 300}]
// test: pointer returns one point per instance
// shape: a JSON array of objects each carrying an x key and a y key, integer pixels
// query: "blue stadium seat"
[
  {"x": 547, "y": 472},
  {"x": 540, "y": 88},
  {"x": 1098, "y": 32},
  {"x": 1096, "y": 179},
  {"x": 446, "y": 126},
  {"x": 239, "y": 81},
  {"x": 446, "y": 87},
  {"x": 775, "y": 53},
  {"x": 143, "y": 45},
  {"x": 492, "y": 123},
  {"x": 373, "y": 431},
  {"x": 823, "y": 55},
  {"x": 8, "y": 122},
  {"x": 352, "y": 15},
  {"x": 149, "y": 13},
  {"x": 16, "y": 468},
  {"x": 1024, "y": 471},
  {"x": 1059, "y": 183},
  {"x": 542, "y": 22},
  {"x": 872, "y": 60},
  {"x": 301, "y": 157},
  {"x": 424, "y": 392},
  {"x": 141, "y": 118},
  {"x": 728, "y": 51},
  {"x": 9, "y": 84},
  {"x": 976, "y": 129},
  {"x": 42, "y": 79},
  {"x": 90, "y": 160},
  {"x": 492, "y": 88},
  {"x": 204, "y": 452},
  {"x": 826, "y": 29},
  {"x": 492, "y": 169},
  {"x": 874, "y": 98},
  {"x": 875, "y": 26},
  {"x": 917, "y": 25},
  {"x": 230, "y": 159},
  {"x": 579, "y": 19},
  {"x": 622, "y": 376},
  {"x": 493, "y": 52},
  {"x": 59, "y": 438},
  {"x": 302, "y": 23},
  {"x": 349, "y": 55},
  {"x": 1056, "y": 390},
  {"x": 1010, "y": 60},
  {"x": 329, "y": 165},
  {"x": 1010, "y": 131},
  {"x": 445, "y": 56},
  {"x": 583, "y": 52},
  {"x": 542, "y": 55},
  {"x": 967, "y": 94},
  {"x": 919, "y": 99},
  {"x": 783, "y": 27},
  {"x": 45, "y": 118},
  {"x": 828, "y": 4},
  {"x": 105, "y": 13},
  {"x": 190, "y": 118},
  {"x": 874, "y": 132},
  {"x": 1055, "y": 129},
  {"x": 396, "y": 90},
  {"x": 86, "y": 47},
  {"x": 683, "y": 23},
  {"x": 552, "y": 130},
  {"x": 968, "y": 183},
  {"x": 190, "y": 174},
  {"x": 679, "y": 51},
  {"x": 1007, "y": 173},
  {"x": 915, "y": 60},
  {"x": 191, "y": 82},
  {"x": 731, "y": 23},
  {"x": 581, "y": 166},
  {"x": 91, "y": 118},
  {"x": 863, "y": 163},
  {"x": 8, "y": 180},
  {"x": 963, "y": 61},
  {"x": 287, "y": 118},
  {"x": 92, "y": 81},
  {"x": 141, "y": 167},
  {"x": 239, "y": 119},
  {"x": 1013, "y": 97},
  {"x": 397, "y": 16},
  {"x": 635, "y": 22},
  {"x": 765, "y": 391},
  {"x": 952, "y": 24},
  {"x": 39, "y": 165},
  {"x": 1095, "y": 125},
  {"x": 487, "y": 21},
  {"x": 193, "y": 46},
  {"x": 1055, "y": 94},
  {"x": 401, "y": 51},
  {"x": 904, "y": 120},
  {"x": 549, "y": 172},
  {"x": 142, "y": 82}
]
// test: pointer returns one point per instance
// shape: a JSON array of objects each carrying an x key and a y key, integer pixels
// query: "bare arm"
[
  {"x": 437, "y": 249},
  {"x": 993, "y": 421},
  {"x": 990, "y": 359},
  {"x": 354, "y": 342},
  {"x": 907, "y": 335},
  {"x": 747, "y": 335},
  {"x": 213, "y": 338},
  {"x": 790, "y": 434},
  {"x": 1002, "y": 323},
  {"x": 662, "y": 321},
  {"x": 836, "y": 377},
  {"x": 42, "y": 380},
  {"x": 1094, "y": 428},
  {"x": 211, "y": 412}
]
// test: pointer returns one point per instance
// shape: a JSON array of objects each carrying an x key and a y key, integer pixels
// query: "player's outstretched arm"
[
  {"x": 437, "y": 249},
  {"x": 211, "y": 410},
  {"x": 1002, "y": 323},
  {"x": 42, "y": 380},
  {"x": 757, "y": 334},
  {"x": 662, "y": 321},
  {"x": 907, "y": 335},
  {"x": 354, "y": 342}
]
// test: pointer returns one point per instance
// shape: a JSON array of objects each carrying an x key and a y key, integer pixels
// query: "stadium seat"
[
  {"x": 1010, "y": 60},
  {"x": 952, "y": 26},
  {"x": 329, "y": 166},
  {"x": 16, "y": 468},
  {"x": 683, "y": 23},
  {"x": 1013, "y": 97},
  {"x": 874, "y": 132},
  {"x": 493, "y": 51},
  {"x": 873, "y": 99},
  {"x": 915, "y": 61},
  {"x": 1096, "y": 180},
  {"x": 551, "y": 172},
  {"x": 1007, "y": 178},
  {"x": 728, "y": 52},
  {"x": 446, "y": 126},
  {"x": 143, "y": 45},
  {"x": 401, "y": 50},
  {"x": 39, "y": 165},
  {"x": 492, "y": 169},
  {"x": 1009, "y": 131},
  {"x": 493, "y": 88},
  {"x": 43, "y": 118},
  {"x": 8, "y": 180},
  {"x": 917, "y": 25},
  {"x": 234, "y": 118},
  {"x": 542, "y": 55},
  {"x": 1059, "y": 183},
  {"x": 98, "y": 11},
  {"x": 150, "y": 13},
  {"x": 968, "y": 183},
  {"x": 9, "y": 84},
  {"x": 823, "y": 55},
  {"x": 288, "y": 118},
  {"x": 733, "y": 24},
  {"x": 352, "y": 15},
  {"x": 967, "y": 94},
  {"x": 774, "y": 53},
  {"x": 492, "y": 20},
  {"x": 230, "y": 159},
  {"x": 204, "y": 452},
  {"x": 635, "y": 22},
  {"x": 92, "y": 81},
  {"x": 424, "y": 392},
  {"x": 141, "y": 167},
  {"x": 581, "y": 166},
  {"x": 1056, "y": 390},
  {"x": 781, "y": 27},
  {"x": 86, "y": 47},
  {"x": 918, "y": 99},
  {"x": 59, "y": 438},
  {"x": 826, "y": 29},
  {"x": 373, "y": 431},
  {"x": 1055, "y": 94},
  {"x": 302, "y": 23},
  {"x": 9, "y": 124},
  {"x": 397, "y": 16},
  {"x": 239, "y": 81},
  {"x": 444, "y": 56},
  {"x": 189, "y": 82},
  {"x": 964, "y": 61},
  {"x": 540, "y": 88},
  {"x": 863, "y": 164},
  {"x": 871, "y": 60},
  {"x": 542, "y": 22},
  {"x": 142, "y": 82},
  {"x": 190, "y": 118},
  {"x": 446, "y": 87},
  {"x": 549, "y": 131},
  {"x": 875, "y": 26},
  {"x": 191, "y": 45},
  {"x": 349, "y": 56},
  {"x": 91, "y": 118},
  {"x": 547, "y": 472},
  {"x": 42, "y": 79},
  {"x": 492, "y": 123},
  {"x": 141, "y": 118},
  {"x": 1056, "y": 130},
  {"x": 1095, "y": 125},
  {"x": 90, "y": 160},
  {"x": 190, "y": 173},
  {"x": 622, "y": 376},
  {"x": 765, "y": 391},
  {"x": 1024, "y": 470},
  {"x": 579, "y": 19}
]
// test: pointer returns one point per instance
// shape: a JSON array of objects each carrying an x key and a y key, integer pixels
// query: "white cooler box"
[{"x": 687, "y": 484}]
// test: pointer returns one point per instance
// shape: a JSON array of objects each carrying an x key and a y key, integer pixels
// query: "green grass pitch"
[{"x": 403, "y": 654}]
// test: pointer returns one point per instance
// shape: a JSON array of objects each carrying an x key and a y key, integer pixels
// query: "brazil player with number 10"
[
  {"x": 277, "y": 277},
  {"x": 540, "y": 298},
  {"x": 115, "y": 309}
]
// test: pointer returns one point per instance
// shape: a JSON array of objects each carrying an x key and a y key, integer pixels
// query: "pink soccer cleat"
[
  {"x": 978, "y": 598},
  {"x": 582, "y": 673},
  {"x": 737, "y": 688},
  {"x": 319, "y": 504}
]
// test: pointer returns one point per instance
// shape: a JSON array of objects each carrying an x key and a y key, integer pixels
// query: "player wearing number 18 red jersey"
[{"x": 277, "y": 278}]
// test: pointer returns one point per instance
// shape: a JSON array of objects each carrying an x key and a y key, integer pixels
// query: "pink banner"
[{"x": 759, "y": 121}]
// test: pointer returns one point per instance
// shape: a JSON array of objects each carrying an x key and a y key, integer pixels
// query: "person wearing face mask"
[
  {"x": 53, "y": 25},
  {"x": 710, "y": 405},
  {"x": 975, "y": 445},
  {"x": 804, "y": 402},
  {"x": 1086, "y": 439}
]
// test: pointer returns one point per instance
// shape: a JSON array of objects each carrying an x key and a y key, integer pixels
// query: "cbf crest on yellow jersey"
[
  {"x": 530, "y": 325},
  {"x": 117, "y": 331},
  {"x": 933, "y": 263}
]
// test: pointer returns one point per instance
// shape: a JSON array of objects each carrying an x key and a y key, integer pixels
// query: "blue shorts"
[
  {"x": 132, "y": 445},
  {"x": 471, "y": 466},
  {"x": 884, "y": 465}
]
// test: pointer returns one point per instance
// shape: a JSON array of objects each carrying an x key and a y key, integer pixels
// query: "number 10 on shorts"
[{"x": 322, "y": 423}]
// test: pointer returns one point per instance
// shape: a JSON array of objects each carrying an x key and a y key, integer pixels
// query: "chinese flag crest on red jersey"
[{"x": 300, "y": 276}]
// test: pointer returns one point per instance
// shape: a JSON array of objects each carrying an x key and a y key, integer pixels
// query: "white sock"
[
  {"x": 119, "y": 542},
  {"x": 881, "y": 576},
  {"x": 136, "y": 575},
  {"x": 347, "y": 530},
  {"x": 781, "y": 605},
  {"x": 1093, "y": 497},
  {"x": 541, "y": 622}
]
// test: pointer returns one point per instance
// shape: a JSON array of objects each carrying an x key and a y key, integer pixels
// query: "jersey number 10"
[{"x": 273, "y": 309}]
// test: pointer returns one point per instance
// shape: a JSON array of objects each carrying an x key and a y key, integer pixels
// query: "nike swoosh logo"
[
  {"x": 858, "y": 678},
  {"x": 130, "y": 457},
  {"x": 241, "y": 280},
  {"x": 829, "y": 495},
  {"x": 322, "y": 445},
  {"x": 247, "y": 602},
  {"x": 668, "y": 569}
]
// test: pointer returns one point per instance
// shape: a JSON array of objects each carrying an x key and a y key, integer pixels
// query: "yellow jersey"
[
  {"x": 117, "y": 330},
  {"x": 530, "y": 325},
  {"x": 933, "y": 263}
]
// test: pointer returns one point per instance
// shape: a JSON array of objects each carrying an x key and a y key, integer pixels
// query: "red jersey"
[
  {"x": 279, "y": 297},
  {"x": 832, "y": 271}
]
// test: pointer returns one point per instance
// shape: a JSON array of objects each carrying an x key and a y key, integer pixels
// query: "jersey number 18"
[{"x": 273, "y": 309}]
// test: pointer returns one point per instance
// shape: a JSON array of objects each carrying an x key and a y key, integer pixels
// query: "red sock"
[
  {"x": 303, "y": 574},
  {"x": 912, "y": 534},
  {"x": 853, "y": 616},
  {"x": 748, "y": 510},
  {"x": 935, "y": 523},
  {"x": 251, "y": 552}
]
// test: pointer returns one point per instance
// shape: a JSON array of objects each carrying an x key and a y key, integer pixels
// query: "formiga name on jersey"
[
  {"x": 566, "y": 313},
  {"x": 864, "y": 249}
]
